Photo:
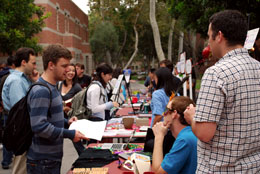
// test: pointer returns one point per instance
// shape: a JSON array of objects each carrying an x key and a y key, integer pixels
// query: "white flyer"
[{"x": 91, "y": 129}]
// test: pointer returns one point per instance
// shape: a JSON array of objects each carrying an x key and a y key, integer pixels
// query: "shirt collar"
[{"x": 234, "y": 53}]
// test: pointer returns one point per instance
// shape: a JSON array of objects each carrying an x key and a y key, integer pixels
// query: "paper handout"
[{"x": 91, "y": 129}]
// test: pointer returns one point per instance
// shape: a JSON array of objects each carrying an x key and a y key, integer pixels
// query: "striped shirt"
[
  {"x": 230, "y": 96},
  {"x": 47, "y": 142}
]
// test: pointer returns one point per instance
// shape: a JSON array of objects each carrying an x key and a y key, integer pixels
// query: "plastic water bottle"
[{"x": 138, "y": 96}]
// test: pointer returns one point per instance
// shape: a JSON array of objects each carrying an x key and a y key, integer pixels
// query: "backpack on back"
[
  {"x": 18, "y": 132},
  {"x": 79, "y": 104}
]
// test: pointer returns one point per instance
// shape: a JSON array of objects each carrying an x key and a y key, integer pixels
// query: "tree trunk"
[
  {"x": 102, "y": 8},
  {"x": 156, "y": 34},
  {"x": 109, "y": 58},
  {"x": 181, "y": 37},
  {"x": 170, "y": 40},
  {"x": 122, "y": 47},
  {"x": 136, "y": 40},
  {"x": 136, "y": 48}
]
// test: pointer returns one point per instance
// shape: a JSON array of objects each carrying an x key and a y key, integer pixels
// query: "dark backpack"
[
  {"x": 18, "y": 132},
  {"x": 79, "y": 104}
]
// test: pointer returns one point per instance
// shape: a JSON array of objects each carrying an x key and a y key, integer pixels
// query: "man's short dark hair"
[
  {"x": 232, "y": 24},
  {"x": 53, "y": 53},
  {"x": 152, "y": 70},
  {"x": 23, "y": 54},
  {"x": 180, "y": 104},
  {"x": 10, "y": 60},
  {"x": 167, "y": 63},
  {"x": 80, "y": 65}
]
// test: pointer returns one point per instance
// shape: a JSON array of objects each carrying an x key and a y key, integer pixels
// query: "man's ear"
[
  {"x": 23, "y": 62},
  {"x": 50, "y": 65},
  {"x": 220, "y": 37},
  {"x": 174, "y": 114}
]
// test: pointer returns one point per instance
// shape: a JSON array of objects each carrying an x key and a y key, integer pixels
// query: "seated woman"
[
  {"x": 69, "y": 87},
  {"x": 182, "y": 157},
  {"x": 160, "y": 97},
  {"x": 97, "y": 99}
]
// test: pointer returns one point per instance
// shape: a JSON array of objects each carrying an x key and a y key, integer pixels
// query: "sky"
[{"x": 82, "y": 4}]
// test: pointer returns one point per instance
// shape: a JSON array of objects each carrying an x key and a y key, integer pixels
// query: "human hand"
[
  {"x": 115, "y": 104},
  {"x": 72, "y": 119},
  {"x": 159, "y": 129},
  {"x": 66, "y": 109},
  {"x": 34, "y": 76},
  {"x": 189, "y": 113},
  {"x": 78, "y": 136}
]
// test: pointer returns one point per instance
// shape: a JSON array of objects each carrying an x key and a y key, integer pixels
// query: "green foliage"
[
  {"x": 20, "y": 20},
  {"x": 104, "y": 39},
  {"x": 195, "y": 14},
  {"x": 122, "y": 15}
]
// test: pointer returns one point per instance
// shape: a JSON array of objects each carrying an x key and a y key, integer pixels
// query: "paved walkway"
[{"x": 70, "y": 154}]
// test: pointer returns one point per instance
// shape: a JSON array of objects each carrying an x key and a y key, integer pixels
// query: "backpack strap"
[
  {"x": 101, "y": 94},
  {"x": 59, "y": 85},
  {"x": 41, "y": 84}
]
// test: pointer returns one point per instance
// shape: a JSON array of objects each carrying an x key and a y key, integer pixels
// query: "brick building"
[{"x": 68, "y": 26}]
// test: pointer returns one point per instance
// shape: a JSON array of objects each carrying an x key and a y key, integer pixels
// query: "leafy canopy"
[
  {"x": 195, "y": 14},
  {"x": 20, "y": 20}
]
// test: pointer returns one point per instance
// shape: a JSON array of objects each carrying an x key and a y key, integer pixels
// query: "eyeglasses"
[{"x": 167, "y": 111}]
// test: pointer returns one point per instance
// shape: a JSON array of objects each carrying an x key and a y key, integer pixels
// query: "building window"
[
  {"x": 77, "y": 57},
  {"x": 66, "y": 23},
  {"x": 77, "y": 28},
  {"x": 57, "y": 18}
]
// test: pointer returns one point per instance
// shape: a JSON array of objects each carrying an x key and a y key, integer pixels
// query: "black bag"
[
  {"x": 18, "y": 132},
  {"x": 94, "y": 158}
]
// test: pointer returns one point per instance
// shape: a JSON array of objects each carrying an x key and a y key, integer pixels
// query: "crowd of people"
[
  {"x": 50, "y": 128},
  {"x": 217, "y": 134}
]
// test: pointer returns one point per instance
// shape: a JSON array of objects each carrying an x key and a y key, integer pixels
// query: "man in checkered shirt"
[{"x": 227, "y": 117}]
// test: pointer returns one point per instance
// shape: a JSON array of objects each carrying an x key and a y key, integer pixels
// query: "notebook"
[{"x": 118, "y": 146}]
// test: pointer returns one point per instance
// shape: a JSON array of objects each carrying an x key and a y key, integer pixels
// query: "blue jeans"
[
  {"x": 7, "y": 155},
  {"x": 43, "y": 166}
]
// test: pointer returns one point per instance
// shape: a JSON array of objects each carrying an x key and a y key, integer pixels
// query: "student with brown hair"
[
  {"x": 46, "y": 151},
  {"x": 83, "y": 79},
  {"x": 182, "y": 157},
  {"x": 15, "y": 88},
  {"x": 227, "y": 119}
]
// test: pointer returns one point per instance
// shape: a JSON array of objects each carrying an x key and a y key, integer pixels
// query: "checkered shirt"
[{"x": 230, "y": 96}]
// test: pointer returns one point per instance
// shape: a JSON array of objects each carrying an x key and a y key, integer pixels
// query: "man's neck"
[
  {"x": 20, "y": 68},
  {"x": 47, "y": 76},
  {"x": 176, "y": 129},
  {"x": 230, "y": 48},
  {"x": 80, "y": 76}
]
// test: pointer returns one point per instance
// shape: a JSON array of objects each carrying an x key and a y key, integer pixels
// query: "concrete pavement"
[{"x": 69, "y": 156}]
